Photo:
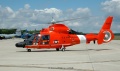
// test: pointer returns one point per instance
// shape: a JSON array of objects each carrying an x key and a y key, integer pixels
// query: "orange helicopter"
[{"x": 59, "y": 37}]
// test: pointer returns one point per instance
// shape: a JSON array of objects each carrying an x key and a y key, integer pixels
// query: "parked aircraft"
[
  {"x": 8, "y": 36},
  {"x": 26, "y": 35}
]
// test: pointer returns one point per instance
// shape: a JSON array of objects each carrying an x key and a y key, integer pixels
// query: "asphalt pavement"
[{"x": 82, "y": 57}]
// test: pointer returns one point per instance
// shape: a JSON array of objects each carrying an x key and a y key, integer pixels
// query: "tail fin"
[{"x": 105, "y": 34}]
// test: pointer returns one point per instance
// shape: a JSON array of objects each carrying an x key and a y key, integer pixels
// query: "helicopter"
[{"x": 58, "y": 36}]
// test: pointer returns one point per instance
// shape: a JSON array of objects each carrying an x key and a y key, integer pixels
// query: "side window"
[{"x": 45, "y": 37}]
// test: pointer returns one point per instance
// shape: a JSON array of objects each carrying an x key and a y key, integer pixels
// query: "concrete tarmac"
[{"x": 82, "y": 57}]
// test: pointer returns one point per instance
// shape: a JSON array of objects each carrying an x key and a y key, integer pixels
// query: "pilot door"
[
  {"x": 36, "y": 39},
  {"x": 44, "y": 39}
]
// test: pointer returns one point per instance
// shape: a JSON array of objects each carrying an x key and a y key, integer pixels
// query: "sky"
[{"x": 34, "y": 14}]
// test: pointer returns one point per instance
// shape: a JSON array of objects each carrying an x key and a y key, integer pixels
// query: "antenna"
[{"x": 53, "y": 21}]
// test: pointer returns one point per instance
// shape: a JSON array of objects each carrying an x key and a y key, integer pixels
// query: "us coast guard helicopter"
[{"x": 59, "y": 36}]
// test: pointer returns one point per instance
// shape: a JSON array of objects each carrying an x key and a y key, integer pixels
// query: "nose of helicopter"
[{"x": 20, "y": 44}]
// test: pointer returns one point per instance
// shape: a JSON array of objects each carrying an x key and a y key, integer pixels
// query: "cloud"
[
  {"x": 27, "y": 6},
  {"x": 112, "y": 8},
  {"x": 81, "y": 12},
  {"x": 27, "y": 18},
  {"x": 9, "y": 10}
]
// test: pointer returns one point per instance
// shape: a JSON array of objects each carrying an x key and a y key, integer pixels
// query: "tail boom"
[{"x": 105, "y": 35}]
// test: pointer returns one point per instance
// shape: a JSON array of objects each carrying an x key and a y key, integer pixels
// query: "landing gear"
[
  {"x": 63, "y": 48},
  {"x": 29, "y": 50},
  {"x": 57, "y": 49}
]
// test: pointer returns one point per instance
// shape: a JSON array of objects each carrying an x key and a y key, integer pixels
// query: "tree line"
[
  {"x": 12, "y": 31},
  {"x": 7, "y": 31}
]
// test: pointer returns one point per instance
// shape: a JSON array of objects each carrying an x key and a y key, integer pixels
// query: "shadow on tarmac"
[{"x": 66, "y": 50}]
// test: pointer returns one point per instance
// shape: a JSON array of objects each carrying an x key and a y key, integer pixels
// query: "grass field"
[{"x": 117, "y": 37}]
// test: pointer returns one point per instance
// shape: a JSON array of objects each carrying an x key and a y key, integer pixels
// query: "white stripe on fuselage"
[{"x": 82, "y": 38}]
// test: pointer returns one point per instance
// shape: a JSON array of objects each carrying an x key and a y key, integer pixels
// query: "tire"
[
  {"x": 57, "y": 49},
  {"x": 29, "y": 50},
  {"x": 63, "y": 49}
]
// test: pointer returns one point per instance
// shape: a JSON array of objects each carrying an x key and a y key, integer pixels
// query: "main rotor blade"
[
  {"x": 62, "y": 21},
  {"x": 67, "y": 20}
]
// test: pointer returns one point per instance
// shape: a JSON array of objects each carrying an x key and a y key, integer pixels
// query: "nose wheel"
[{"x": 28, "y": 50}]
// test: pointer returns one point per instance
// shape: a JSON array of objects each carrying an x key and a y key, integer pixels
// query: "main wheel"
[
  {"x": 57, "y": 49},
  {"x": 63, "y": 49},
  {"x": 29, "y": 50}
]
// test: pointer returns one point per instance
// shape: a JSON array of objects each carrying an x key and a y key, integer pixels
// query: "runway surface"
[{"x": 90, "y": 57}]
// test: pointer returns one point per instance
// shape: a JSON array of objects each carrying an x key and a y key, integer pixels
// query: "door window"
[{"x": 45, "y": 39}]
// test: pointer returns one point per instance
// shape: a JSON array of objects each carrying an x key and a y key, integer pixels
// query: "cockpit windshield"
[{"x": 32, "y": 37}]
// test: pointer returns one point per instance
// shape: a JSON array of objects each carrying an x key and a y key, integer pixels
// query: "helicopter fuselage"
[{"x": 56, "y": 36}]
